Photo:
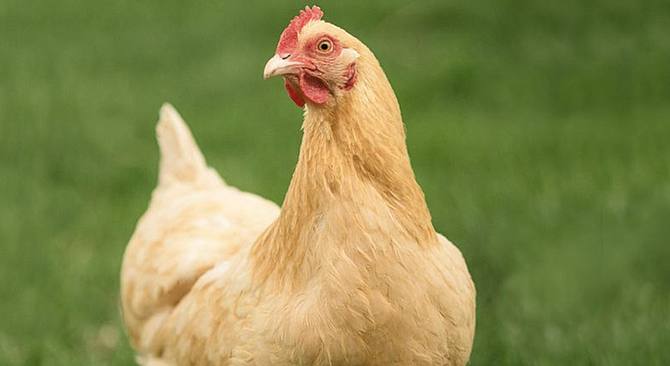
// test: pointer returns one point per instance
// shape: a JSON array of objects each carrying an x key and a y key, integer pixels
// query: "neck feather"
[{"x": 353, "y": 148}]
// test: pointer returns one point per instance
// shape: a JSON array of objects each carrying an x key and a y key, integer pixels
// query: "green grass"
[{"x": 540, "y": 132}]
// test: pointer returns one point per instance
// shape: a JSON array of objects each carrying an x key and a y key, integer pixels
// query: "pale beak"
[{"x": 278, "y": 66}]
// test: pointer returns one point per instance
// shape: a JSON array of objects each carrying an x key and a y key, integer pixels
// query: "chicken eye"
[{"x": 325, "y": 46}]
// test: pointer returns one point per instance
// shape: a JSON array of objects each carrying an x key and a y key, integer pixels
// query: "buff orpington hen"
[{"x": 350, "y": 270}]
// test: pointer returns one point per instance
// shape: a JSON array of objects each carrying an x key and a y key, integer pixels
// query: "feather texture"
[{"x": 350, "y": 271}]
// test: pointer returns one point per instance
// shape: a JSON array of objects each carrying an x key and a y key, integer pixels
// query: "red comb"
[{"x": 289, "y": 38}]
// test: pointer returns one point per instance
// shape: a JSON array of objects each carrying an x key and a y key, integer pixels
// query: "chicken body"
[{"x": 349, "y": 272}]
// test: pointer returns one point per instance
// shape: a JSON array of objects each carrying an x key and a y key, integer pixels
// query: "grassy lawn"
[{"x": 540, "y": 132}]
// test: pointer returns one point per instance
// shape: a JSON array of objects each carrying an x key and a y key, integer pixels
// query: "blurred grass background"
[{"x": 539, "y": 131}]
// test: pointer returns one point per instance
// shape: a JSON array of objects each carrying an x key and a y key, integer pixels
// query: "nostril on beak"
[
  {"x": 279, "y": 65},
  {"x": 285, "y": 56}
]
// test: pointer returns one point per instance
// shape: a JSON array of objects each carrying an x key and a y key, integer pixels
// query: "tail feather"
[{"x": 181, "y": 159}]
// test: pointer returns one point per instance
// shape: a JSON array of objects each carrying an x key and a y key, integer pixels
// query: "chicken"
[{"x": 350, "y": 270}]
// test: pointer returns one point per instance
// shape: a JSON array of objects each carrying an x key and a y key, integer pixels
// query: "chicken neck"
[{"x": 353, "y": 176}]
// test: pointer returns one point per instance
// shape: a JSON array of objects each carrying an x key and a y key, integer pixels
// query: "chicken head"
[{"x": 314, "y": 58}]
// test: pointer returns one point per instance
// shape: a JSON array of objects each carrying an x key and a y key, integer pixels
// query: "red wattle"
[
  {"x": 313, "y": 89},
  {"x": 293, "y": 94}
]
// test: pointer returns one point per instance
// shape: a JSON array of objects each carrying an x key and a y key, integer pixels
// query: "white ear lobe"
[{"x": 349, "y": 55}]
